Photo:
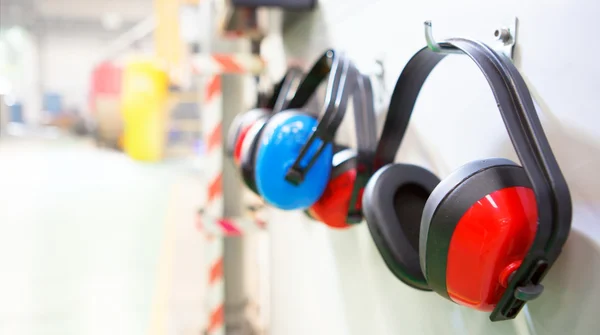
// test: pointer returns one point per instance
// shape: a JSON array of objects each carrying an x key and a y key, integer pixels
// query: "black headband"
[
  {"x": 281, "y": 93},
  {"x": 528, "y": 139},
  {"x": 344, "y": 80},
  {"x": 320, "y": 71}
]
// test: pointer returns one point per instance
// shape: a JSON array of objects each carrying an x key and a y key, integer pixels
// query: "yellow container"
[{"x": 144, "y": 97}]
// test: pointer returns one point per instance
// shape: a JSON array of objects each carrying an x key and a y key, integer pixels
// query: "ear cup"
[
  {"x": 237, "y": 151},
  {"x": 336, "y": 149},
  {"x": 332, "y": 207},
  {"x": 279, "y": 146},
  {"x": 477, "y": 226},
  {"x": 393, "y": 202},
  {"x": 248, "y": 153},
  {"x": 235, "y": 135}
]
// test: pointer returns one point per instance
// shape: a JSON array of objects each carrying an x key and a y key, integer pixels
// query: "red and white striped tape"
[
  {"x": 241, "y": 63},
  {"x": 212, "y": 123},
  {"x": 229, "y": 227}
]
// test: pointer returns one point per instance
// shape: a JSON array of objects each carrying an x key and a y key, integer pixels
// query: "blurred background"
[{"x": 102, "y": 178}]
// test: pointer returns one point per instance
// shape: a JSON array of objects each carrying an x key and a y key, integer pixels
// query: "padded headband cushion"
[
  {"x": 450, "y": 200},
  {"x": 393, "y": 202},
  {"x": 248, "y": 153}
]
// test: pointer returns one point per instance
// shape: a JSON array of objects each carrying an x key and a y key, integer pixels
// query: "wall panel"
[{"x": 334, "y": 282}]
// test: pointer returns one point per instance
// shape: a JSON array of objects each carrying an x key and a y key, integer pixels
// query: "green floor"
[{"x": 80, "y": 233}]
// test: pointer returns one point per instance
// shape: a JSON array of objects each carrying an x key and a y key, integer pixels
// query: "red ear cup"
[
  {"x": 477, "y": 227},
  {"x": 332, "y": 207},
  {"x": 237, "y": 150}
]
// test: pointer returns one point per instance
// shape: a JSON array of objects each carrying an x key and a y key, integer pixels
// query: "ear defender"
[
  {"x": 295, "y": 150},
  {"x": 295, "y": 163},
  {"x": 485, "y": 236},
  {"x": 340, "y": 205}
]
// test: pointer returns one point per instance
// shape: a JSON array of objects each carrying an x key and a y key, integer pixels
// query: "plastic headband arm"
[
  {"x": 366, "y": 142},
  {"x": 283, "y": 93}
]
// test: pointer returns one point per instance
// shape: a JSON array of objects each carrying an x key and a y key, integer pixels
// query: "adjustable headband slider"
[
  {"x": 295, "y": 176},
  {"x": 529, "y": 288}
]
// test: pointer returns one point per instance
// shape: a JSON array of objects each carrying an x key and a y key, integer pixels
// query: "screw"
[{"x": 503, "y": 35}]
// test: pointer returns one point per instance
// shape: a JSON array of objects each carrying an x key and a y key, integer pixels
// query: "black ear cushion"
[
  {"x": 238, "y": 123},
  {"x": 393, "y": 203},
  {"x": 343, "y": 161},
  {"x": 248, "y": 156},
  {"x": 449, "y": 202}
]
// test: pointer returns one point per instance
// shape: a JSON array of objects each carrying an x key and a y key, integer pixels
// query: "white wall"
[{"x": 334, "y": 282}]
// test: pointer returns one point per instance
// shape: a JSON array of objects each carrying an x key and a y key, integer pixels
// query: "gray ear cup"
[
  {"x": 447, "y": 204},
  {"x": 248, "y": 155},
  {"x": 393, "y": 203},
  {"x": 238, "y": 123}
]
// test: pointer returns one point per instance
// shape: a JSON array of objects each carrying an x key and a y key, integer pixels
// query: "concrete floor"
[{"x": 92, "y": 242}]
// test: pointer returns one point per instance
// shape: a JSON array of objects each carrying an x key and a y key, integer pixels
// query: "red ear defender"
[
  {"x": 490, "y": 231},
  {"x": 340, "y": 204}
]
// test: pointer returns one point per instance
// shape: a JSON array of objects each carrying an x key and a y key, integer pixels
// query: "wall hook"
[{"x": 433, "y": 45}]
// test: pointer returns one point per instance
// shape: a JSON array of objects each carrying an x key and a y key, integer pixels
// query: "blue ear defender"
[
  {"x": 295, "y": 150},
  {"x": 281, "y": 142}
]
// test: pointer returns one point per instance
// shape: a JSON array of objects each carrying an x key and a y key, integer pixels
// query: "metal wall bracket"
[{"x": 505, "y": 39}]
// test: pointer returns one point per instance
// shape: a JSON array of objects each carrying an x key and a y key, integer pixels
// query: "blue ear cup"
[{"x": 279, "y": 146}]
